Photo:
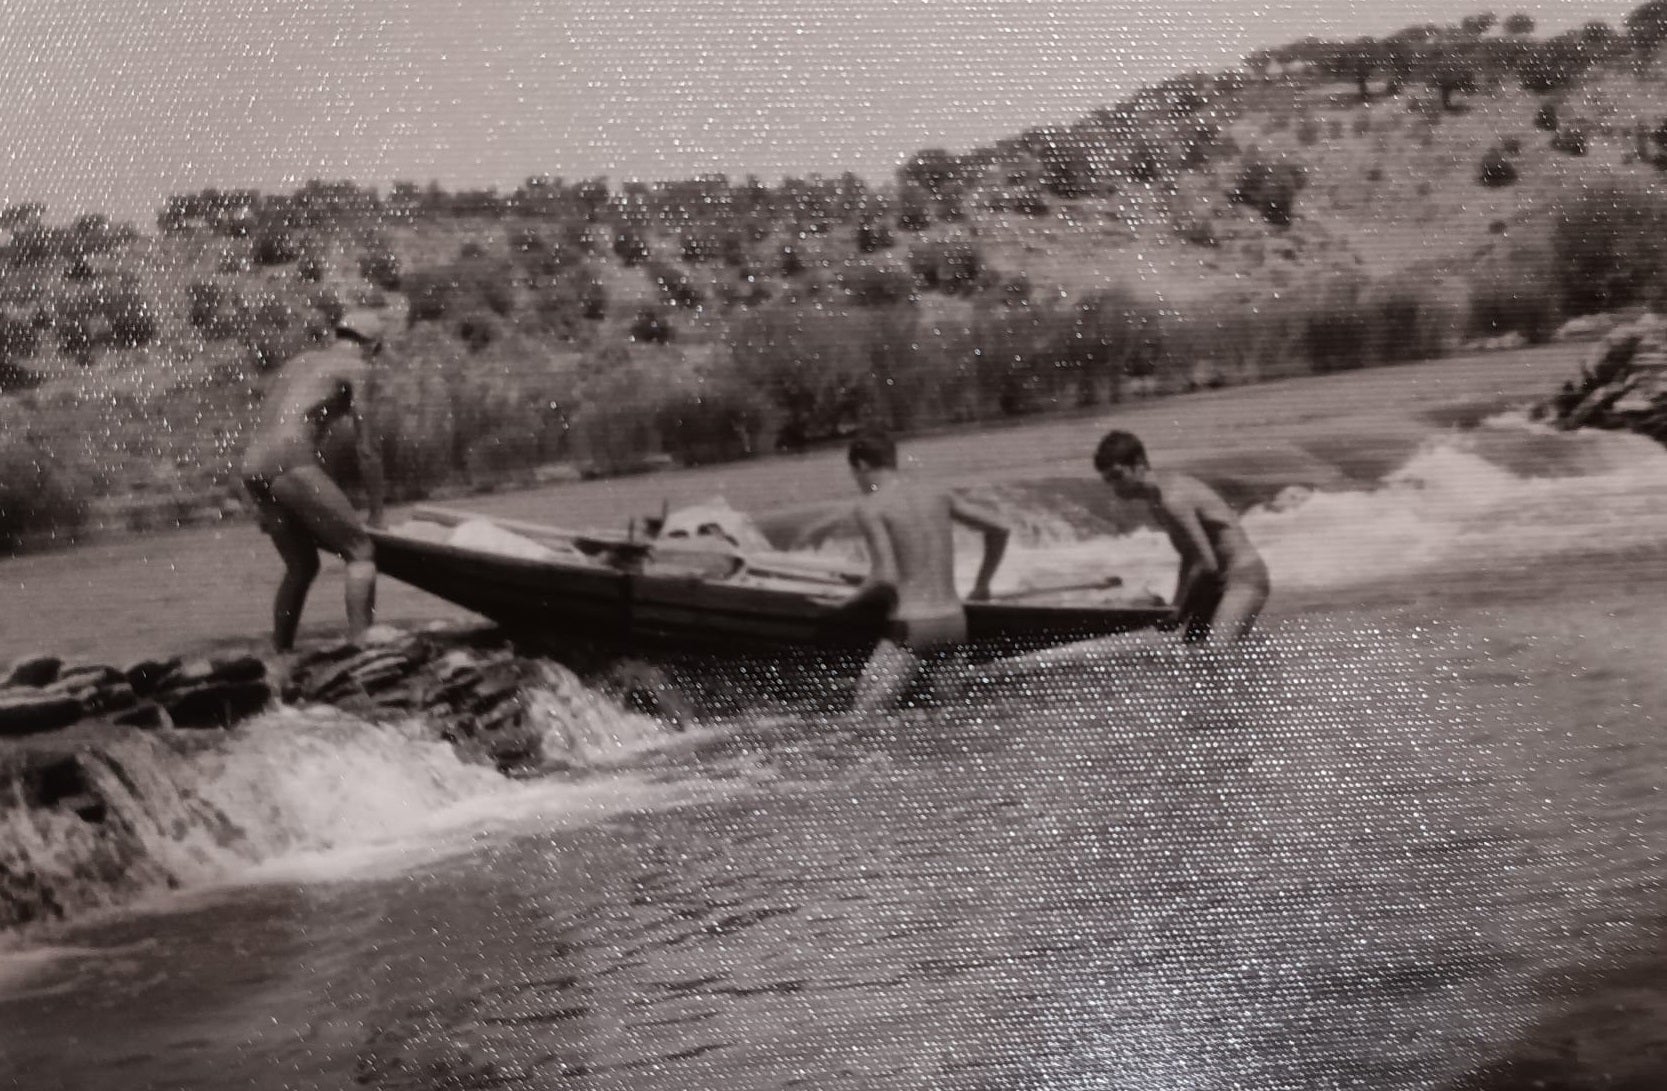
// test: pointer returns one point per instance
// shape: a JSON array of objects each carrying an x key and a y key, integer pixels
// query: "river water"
[{"x": 1363, "y": 855}]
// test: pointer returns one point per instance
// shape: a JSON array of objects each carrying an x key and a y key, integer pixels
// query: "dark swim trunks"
[
  {"x": 1242, "y": 590},
  {"x": 304, "y": 502}
]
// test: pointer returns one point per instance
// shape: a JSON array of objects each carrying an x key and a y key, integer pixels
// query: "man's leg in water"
[
  {"x": 889, "y": 673},
  {"x": 1241, "y": 604},
  {"x": 300, "y": 568},
  {"x": 320, "y": 505}
]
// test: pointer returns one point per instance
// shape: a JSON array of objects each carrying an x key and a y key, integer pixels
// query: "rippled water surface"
[{"x": 1356, "y": 859}]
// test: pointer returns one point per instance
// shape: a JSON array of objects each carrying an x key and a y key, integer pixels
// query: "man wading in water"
[
  {"x": 299, "y": 507},
  {"x": 1223, "y": 583},
  {"x": 908, "y": 529}
]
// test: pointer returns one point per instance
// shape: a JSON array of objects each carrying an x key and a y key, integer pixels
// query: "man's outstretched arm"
[{"x": 996, "y": 534}]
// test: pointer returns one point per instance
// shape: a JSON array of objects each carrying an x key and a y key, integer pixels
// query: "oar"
[
  {"x": 1034, "y": 592},
  {"x": 1074, "y": 654}
]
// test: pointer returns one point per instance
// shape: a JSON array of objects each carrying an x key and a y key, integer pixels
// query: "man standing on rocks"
[{"x": 297, "y": 503}]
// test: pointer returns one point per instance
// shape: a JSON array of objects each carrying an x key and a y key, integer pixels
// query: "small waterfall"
[{"x": 101, "y": 817}]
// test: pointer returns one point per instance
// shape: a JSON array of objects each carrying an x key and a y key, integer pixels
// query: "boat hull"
[{"x": 559, "y": 602}]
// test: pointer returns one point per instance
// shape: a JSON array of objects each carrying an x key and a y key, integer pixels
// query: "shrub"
[
  {"x": 132, "y": 323},
  {"x": 1270, "y": 188},
  {"x": 1546, "y": 117},
  {"x": 43, "y": 496},
  {"x": 876, "y": 286},
  {"x": 1496, "y": 170},
  {"x": 1517, "y": 295},
  {"x": 1570, "y": 140},
  {"x": 1308, "y": 131},
  {"x": 948, "y": 266},
  {"x": 676, "y": 289},
  {"x": 631, "y": 248},
  {"x": 1606, "y": 248},
  {"x": 714, "y": 420},
  {"x": 477, "y": 330},
  {"x": 274, "y": 247},
  {"x": 873, "y": 236},
  {"x": 310, "y": 269},
  {"x": 381, "y": 269},
  {"x": 651, "y": 327}
]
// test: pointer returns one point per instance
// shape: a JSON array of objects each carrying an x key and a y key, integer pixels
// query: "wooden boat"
[{"x": 692, "y": 594}]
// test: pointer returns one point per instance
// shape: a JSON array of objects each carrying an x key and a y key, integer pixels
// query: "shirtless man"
[
  {"x": 298, "y": 505},
  {"x": 1223, "y": 582},
  {"x": 908, "y": 529}
]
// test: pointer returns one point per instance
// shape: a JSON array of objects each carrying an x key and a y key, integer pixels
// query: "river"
[{"x": 1370, "y": 853}]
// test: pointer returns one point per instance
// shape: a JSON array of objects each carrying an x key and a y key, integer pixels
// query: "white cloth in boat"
[
  {"x": 489, "y": 537},
  {"x": 715, "y": 519}
]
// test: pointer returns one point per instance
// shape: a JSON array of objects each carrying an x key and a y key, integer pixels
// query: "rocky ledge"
[
  {"x": 468, "y": 683},
  {"x": 1623, "y": 387}
]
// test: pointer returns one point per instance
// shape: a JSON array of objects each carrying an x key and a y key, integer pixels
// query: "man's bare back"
[
  {"x": 312, "y": 391},
  {"x": 909, "y": 531},
  {"x": 300, "y": 508}
]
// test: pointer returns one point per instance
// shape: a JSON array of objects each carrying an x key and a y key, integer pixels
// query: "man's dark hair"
[
  {"x": 1119, "y": 449},
  {"x": 873, "y": 449}
]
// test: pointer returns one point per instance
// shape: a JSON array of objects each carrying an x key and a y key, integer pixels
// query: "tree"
[
  {"x": 1451, "y": 76},
  {"x": 1519, "y": 24},
  {"x": 1478, "y": 25},
  {"x": 23, "y": 215},
  {"x": 1646, "y": 26}
]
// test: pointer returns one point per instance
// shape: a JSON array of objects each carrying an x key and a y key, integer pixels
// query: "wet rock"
[
  {"x": 31, "y": 714},
  {"x": 147, "y": 675},
  {"x": 147, "y": 716},
  {"x": 216, "y": 704},
  {"x": 1623, "y": 387},
  {"x": 88, "y": 676},
  {"x": 238, "y": 668},
  {"x": 36, "y": 670}
]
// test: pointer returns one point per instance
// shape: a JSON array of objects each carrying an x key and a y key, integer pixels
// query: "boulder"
[
  {"x": 36, "y": 670},
  {"x": 148, "y": 675},
  {"x": 238, "y": 668},
  {"x": 30, "y": 714},
  {"x": 148, "y": 716},
  {"x": 216, "y": 704}
]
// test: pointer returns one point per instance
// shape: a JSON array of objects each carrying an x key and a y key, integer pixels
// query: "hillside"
[{"x": 1332, "y": 205}]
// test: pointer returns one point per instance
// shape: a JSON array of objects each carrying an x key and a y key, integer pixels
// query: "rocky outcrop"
[
  {"x": 1623, "y": 387},
  {"x": 102, "y": 789},
  {"x": 42, "y": 694}
]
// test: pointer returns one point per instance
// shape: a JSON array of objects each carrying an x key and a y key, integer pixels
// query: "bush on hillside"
[
  {"x": 867, "y": 285},
  {"x": 1546, "y": 117},
  {"x": 714, "y": 420},
  {"x": 1517, "y": 295},
  {"x": 1496, "y": 169},
  {"x": 652, "y": 327},
  {"x": 44, "y": 497},
  {"x": 631, "y": 248},
  {"x": 1269, "y": 188},
  {"x": 274, "y": 246},
  {"x": 873, "y": 236},
  {"x": 951, "y": 267},
  {"x": 1570, "y": 140},
  {"x": 676, "y": 289},
  {"x": 381, "y": 268},
  {"x": 1607, "y": 248}
]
